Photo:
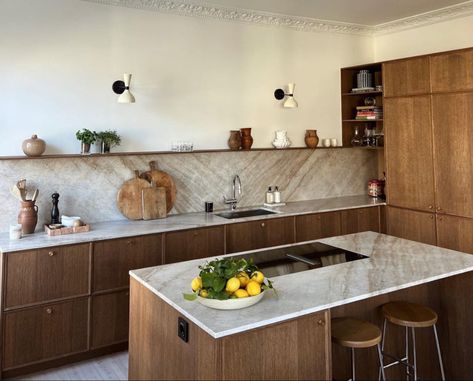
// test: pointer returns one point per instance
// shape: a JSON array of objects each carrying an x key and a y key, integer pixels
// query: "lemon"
[
  {"x": 241, "y": 293},
  {"x": 233, "y": 284},
  {"x": 196, "y": 283},
  {"x": 243, "y": 278},
  {"x": 204, "y": 293},
  {"x": 253, "y": 288},
  {"x": 258, "y": 277}
]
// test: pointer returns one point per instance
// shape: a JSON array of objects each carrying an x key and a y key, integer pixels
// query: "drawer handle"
[
  {"x": 263, "y": 225},
  {"x": 51, "y": 253},
  {"x": 439, "y": 208},
  {"x": 321, "y": 323},
  {"x": 431, "y": 207},
  {"x": 49, "y": 311}
]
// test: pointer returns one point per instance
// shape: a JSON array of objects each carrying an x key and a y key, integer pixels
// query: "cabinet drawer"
[
  {"x": 413, "y": 225},
  {"x": 258, "y": 234},
  {"x": 46, "y": 274},
  {"x": 316, "y": 226},
  {"x": 360, "y": 220},
  {"x": 45, "y": 332},
  {"x": 109, "y": 322},
  {"x": 112, "y": 260},
  {"x": 192, "y": 244}
]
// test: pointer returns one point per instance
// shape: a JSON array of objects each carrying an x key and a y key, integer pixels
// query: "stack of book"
[{"x": 369, "y": 113}]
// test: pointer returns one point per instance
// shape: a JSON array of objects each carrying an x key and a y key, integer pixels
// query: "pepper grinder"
[{"x": 55, "y": 209}]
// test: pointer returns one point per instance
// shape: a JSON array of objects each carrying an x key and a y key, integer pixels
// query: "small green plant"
[
  {"x": 109, "y": 138},
  {"x": 86, "y": 136}
]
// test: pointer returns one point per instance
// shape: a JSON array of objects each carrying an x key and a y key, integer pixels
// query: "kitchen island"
[{"x": 288, "y": 336}]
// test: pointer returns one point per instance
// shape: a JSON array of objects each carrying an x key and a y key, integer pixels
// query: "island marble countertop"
[
  {"x": 126, "y": 228},
  {"x": 393, "y": 264}
]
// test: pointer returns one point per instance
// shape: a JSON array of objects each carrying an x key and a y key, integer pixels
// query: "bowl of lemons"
[{"x": 229, "y": 284}]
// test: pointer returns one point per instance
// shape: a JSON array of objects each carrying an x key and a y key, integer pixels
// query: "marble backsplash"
[{"x": 88, "y": 185}]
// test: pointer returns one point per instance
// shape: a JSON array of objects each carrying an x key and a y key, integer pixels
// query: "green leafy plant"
[
  {"x": 86, "y": 136},
  {"x": 110, "y": 138}
]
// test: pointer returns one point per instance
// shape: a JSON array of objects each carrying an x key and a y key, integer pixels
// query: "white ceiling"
[{"x": 366, "y": 12}]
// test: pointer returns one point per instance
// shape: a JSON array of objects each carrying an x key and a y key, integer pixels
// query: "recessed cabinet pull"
[
  {"x": 431, "y": 207},
  {"x": 51, "y": 253},
  {"x": 196, "y": 234},
  {"x": 263, "y": 225},
  {"x": 439, "y": 208},
  {"x": 431, "y": 217},
  {"x": 129, "y": 242},
  {"x": 321, "y": 323},
  {"x": 49, "y": 311}
]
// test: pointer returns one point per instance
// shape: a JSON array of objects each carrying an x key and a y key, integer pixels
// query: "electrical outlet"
[{"x": 183, "y": 329}]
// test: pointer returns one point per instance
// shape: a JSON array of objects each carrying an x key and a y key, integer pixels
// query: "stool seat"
[
  {"x": 354, "y": 333},
  {"x": 409, "y": 314}
]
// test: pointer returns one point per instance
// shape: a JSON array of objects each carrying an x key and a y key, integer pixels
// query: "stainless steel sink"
[{"x": 245, "y": 213}]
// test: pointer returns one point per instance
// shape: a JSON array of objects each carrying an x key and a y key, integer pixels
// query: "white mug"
[
  {"x": 333, "y": 142},
  {"x": 326, "y": 142},
  {"x": 15, "y": 231}
]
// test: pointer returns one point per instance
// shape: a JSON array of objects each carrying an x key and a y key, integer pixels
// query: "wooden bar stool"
[
  {"x": 412, "y": 316},
  {"x": 353, "y": 333}
]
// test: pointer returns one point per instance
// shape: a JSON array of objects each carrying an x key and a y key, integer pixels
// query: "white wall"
[
  {"x": 194, "y": 79},
  {"x": 439, "y": 37}
]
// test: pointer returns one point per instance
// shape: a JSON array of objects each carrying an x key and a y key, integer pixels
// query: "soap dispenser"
[
  {"x": 269, "y": 196},
  {"x": 276, "y": 195}
]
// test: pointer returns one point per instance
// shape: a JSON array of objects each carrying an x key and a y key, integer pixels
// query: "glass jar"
[{"x": 357, "y": 139}]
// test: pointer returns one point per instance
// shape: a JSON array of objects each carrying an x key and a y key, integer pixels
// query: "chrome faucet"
[{"x": 236, "y": 186}]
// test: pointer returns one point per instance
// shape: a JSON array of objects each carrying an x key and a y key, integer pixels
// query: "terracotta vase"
[
  {"x": 34, "y": 146},
  {"x": 311, "y": 138},
  {"x": 28, "y": 217},
  {"x": 246, "y": 138},
  {"x": 234, "y": 142}
]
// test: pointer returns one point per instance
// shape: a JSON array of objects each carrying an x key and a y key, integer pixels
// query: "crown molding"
[{"x": 306, "y": 24}]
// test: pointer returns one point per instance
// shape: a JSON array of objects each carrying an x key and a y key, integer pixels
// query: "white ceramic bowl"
[{"x": 231, "y": 304}]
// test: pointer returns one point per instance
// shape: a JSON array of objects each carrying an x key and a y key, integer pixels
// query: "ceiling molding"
[{"x": 306, "y": 24}]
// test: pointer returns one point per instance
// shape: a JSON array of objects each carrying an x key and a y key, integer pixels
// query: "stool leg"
[
  {"x": 381, "y": 369},
  {"x": 415, "y": 356},
  {"x": 353, "y": 370},
  {"x": 407, "y": 354},
  {"x": 439, "y": 353},
  {"x": 381, "y": 363}
]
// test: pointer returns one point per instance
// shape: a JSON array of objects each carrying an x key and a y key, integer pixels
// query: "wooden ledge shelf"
[{"x": 365, "y": 93}]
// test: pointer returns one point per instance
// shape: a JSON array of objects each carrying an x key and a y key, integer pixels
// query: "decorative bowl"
[{"x": 231, "y": 304}]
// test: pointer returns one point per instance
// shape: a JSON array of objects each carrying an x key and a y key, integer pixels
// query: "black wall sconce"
[
  {"x": 123, "y": 88},
  {"x": 289, "y": 102}
]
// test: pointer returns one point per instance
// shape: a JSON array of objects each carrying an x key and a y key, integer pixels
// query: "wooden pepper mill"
[{"x": 55, "y": 209}]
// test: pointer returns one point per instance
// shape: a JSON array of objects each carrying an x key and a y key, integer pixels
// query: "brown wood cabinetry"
[
  {"x": 195, "y": 243},
  {"x": 258, "y": 234},
  {"x": 112, "y": 260},
  {"x": 316, "y": 226},
  {"x": 455, "y": 233},
  {"x": 409, "y": 156},
  {"x": 45, "y": 332},
  {"x": 38, "y": 276},
  {"x": 406, "y": 77},
  {"x": 410, "y": 224},
  {"x": 360, "y": 220},
  {"x": 452, "y": 71}
]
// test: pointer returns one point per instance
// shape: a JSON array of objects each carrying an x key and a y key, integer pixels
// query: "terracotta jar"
[
  {"x": 234, "y": 142},
  {"x": 34, "y": 146},
  {"x": 28, "y": 217},
  {"x": 311, "y": 138},
  {"x": 246, "y": 138}
]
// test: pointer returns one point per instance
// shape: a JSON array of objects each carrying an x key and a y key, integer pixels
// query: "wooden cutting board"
[
  {"x": 154, "y": 203},
  {"x": 129, "y": 197},
  {"x": 162, "y": 179}
]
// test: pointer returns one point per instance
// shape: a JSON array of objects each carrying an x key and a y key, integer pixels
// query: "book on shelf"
[{"x": 369, "y": 108}]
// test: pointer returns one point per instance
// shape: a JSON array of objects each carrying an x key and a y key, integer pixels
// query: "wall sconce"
[
  {"x": 289, "y": 102},
  {"x": 123, "y": 88}
]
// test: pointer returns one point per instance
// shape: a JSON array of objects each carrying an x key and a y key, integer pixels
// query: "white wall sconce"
[
  {"x": 123, "y": 88},
  {"x": 289, "y": 102}
]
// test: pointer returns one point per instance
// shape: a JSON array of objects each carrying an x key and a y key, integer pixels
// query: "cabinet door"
[
  {"x": 360, "y": 220},
  {"x": 316, "y": 226},
  {"x": 47, "y": 274},
  {"x": 45, "y": 332},
  {"x": 109, "y": 323},
  {"x": 453, "y": 141},
  {"x": 409, "y": 157},
  {"x": 406, "y": 77},
  {"x": 452, "y": 71},
  {"x": 113, "y": 259},
  {"x": 455, "y": 233},
  {"x": 409, "y": 224},
  {"x": 258, "y": 234},
  {"x": 195, "y": 243}
]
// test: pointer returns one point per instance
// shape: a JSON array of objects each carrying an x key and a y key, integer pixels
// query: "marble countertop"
[
  {"x": 126, "y": 228},
  {"x": 393, "y": 264}
]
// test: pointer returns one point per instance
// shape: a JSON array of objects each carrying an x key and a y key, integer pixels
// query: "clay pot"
[
  {"x": 34, "y": 146},
  {"x": 234, "y": 141},
  {"x": 28, "y": 217},
  {"x": 246, "y": 138},
  {"x": 311, "y": 138}
]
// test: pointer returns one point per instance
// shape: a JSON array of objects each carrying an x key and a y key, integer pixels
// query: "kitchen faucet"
[{"x": 236, "y": 186}]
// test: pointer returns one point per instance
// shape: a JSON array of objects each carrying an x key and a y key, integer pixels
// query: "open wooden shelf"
[
  {"x": 365, "y": 93},
  {"x": 362, "y": 121}
]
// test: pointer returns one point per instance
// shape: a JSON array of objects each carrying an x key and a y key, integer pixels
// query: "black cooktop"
[{"x": 306, "y": 256}]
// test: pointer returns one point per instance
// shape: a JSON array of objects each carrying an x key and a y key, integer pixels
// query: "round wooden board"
[
  {"x": 129, "y": 198},
  {"x": 162, "y": 179}
]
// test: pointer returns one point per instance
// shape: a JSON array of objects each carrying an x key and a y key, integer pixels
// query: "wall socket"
[{"x": 183, "y": 329}]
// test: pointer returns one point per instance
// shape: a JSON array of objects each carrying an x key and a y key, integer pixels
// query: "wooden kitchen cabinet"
[
  {"x": 195, "y": 243},
  {"x": 455, "y": 233},
  {"x": 453, "y": 141},
  {"x": 316, "y": 226},
  {"x": 409, "y": 153},
  {"x": 38, "y": 276},
  {"x": 406, "y": 77},
  {"x": 258, "y": 234},
  {"x": 452, "y": 71},
  {"x": 360, "y": 220},
  {"x": 410, "y": 224},
  {"x": 109, "y": 321},
  {"x": 113, "y": 259},
  {"x": 45, "y": 332}
]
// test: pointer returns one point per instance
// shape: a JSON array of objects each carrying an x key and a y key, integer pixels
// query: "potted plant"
[
  {"x": 86, "y": 137},
  {"x": 109, "y": 139}
]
